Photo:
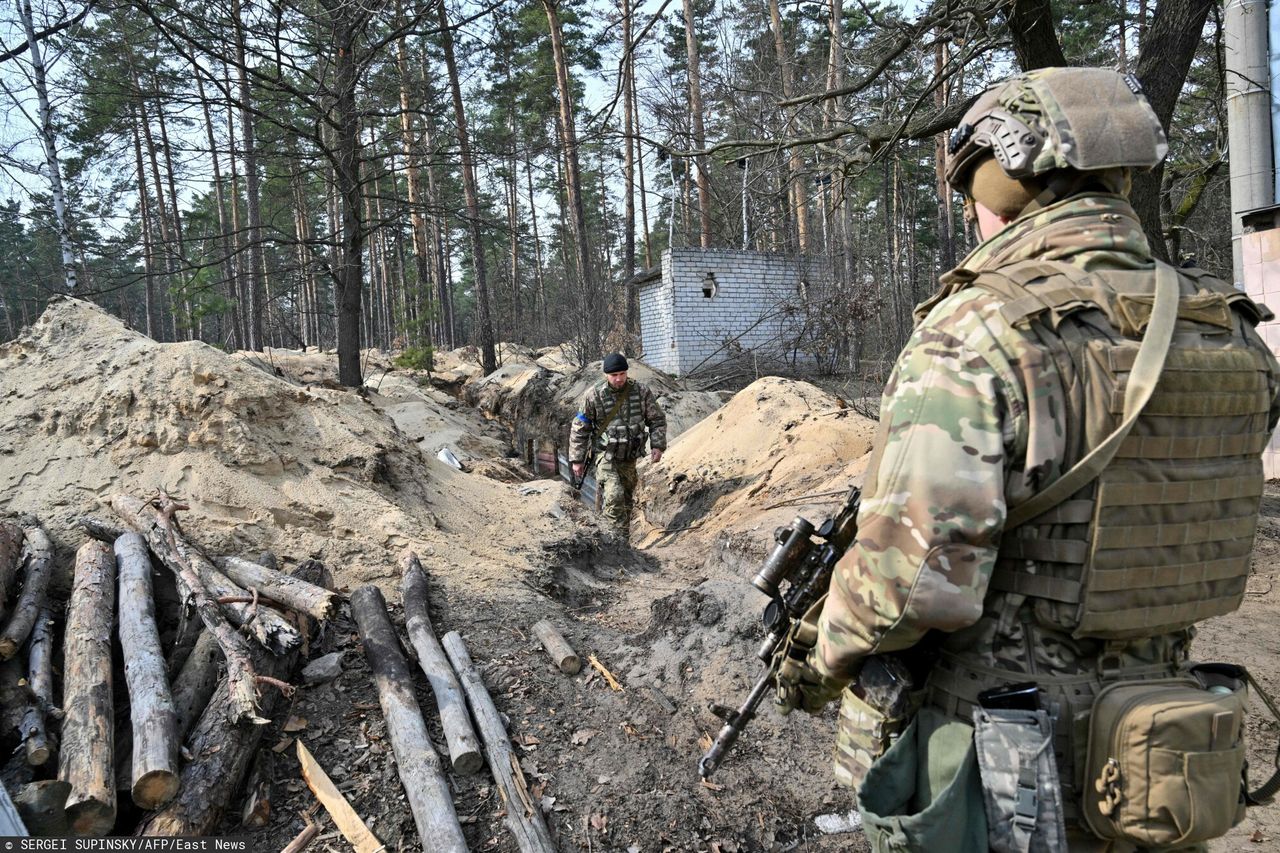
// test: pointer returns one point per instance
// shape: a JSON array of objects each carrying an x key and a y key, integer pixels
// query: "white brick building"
[{"x": 712, "y": 304}]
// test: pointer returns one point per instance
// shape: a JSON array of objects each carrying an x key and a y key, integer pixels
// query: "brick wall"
[
  {"x": 713, "y": 304},
  {"x": 1261, "y": 250}
]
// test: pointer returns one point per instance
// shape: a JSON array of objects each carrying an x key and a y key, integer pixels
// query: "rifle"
[
  {"x": 587, "y": 464},
  {"x": 806, "y": 567}
]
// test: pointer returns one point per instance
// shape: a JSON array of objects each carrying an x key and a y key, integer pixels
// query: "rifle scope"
[{"x": 793, "y": 546}]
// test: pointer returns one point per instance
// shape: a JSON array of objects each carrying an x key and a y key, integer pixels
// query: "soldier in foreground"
[
  {"x": 1066, "y": 479},
  {"x": 611, "y": 422}
]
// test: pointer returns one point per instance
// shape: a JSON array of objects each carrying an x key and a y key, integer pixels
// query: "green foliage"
[{"x": 414, "y": 358}]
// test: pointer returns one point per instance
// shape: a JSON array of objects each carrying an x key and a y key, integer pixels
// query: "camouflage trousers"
[{"x": 617, "y": 484}]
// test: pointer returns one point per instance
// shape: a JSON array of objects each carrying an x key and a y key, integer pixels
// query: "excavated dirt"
[{"x": 272, "y": 456}]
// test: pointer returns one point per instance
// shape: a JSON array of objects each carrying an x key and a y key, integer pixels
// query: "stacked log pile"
[{"x": 172, "y": 760}]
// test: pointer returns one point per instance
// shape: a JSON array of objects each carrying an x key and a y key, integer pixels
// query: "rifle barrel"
[{"x": 728, "y": 735}]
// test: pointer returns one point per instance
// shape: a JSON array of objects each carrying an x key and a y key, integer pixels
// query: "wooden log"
[
  {"x": 268, "y": 626},
  {"x": 43, "y": 807},
  {"x": 464, "y": 746},
  {"x": 40, "y": 682},
  {"x": 196, "y": 683},
  {"x": 155, "y": 743},
  {"x": 416, "y": 760},
  {"x": 553, "y": 641},
  {"x": 257, "y": 803},
  {"x": 88, "y": 731},
  {"x": 11, "y": 540},
  {"x": 39, "y": 569},
  {"x": 222, "y": 752},
  {"x": 100, "y": 529},
  {"x": 524, "y": 817},
  {"x": 290, "y": 591}
]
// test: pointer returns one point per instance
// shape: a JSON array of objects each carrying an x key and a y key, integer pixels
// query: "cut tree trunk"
[
  {"x": 523, "y": 816},
  {"x": 290, "y": 591},
  {"x": 11, "y": 540},
  {"x": 561, "y": 652},
  {"x": 88, "y": 731},
  {"x": 39, "y": 568},
  {"x": 268, "y": 626},
  {"x": 40, "y": 682},
  {"x": 195, "y": 684},
  {"x": 416, "y": 760},
  {"x": 464, "y": 746},
  {"x": 155, "y": 743}
]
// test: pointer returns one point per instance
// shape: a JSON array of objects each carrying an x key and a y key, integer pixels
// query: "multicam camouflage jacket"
[
  {"x": 972, "y": 422},
  {"x": 623, "y": 437}
]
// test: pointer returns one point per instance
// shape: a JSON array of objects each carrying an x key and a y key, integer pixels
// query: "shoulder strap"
[{"x": 1142, "y": 383}]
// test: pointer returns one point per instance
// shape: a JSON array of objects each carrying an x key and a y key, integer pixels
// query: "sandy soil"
[{"x": 272, "y": 456}]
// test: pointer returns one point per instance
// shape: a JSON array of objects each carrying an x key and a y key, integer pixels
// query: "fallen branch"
[
  {"x": 524, "y": 819},
  {"x": 464, "y": 746},
  {"x": 39, "y": 568},
  {"x": 600, "y": 668},
  {"x": 416, "y": 760},
  {"x": 85, "y": 759}
]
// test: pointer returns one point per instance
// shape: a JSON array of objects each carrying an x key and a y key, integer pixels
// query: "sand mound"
[
  {"x": 776, "y": 440},
  {"x": 89, "y": 408}
]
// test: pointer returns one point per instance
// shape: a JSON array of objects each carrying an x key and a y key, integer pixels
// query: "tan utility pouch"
[{"x": 1165, "y": 761}]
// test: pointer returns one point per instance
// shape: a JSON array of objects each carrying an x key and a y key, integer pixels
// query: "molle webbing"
[{"x": 1162, "y": 538}]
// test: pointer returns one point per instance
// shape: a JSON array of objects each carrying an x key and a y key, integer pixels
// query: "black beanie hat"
[{"x": 615, "y": 362}]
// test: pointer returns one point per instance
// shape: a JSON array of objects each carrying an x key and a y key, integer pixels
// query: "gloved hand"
[{"x": 799, "y": 683}]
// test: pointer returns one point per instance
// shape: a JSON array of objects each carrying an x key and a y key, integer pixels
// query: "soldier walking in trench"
[
  {"x": 1066, "y": 480},
  {"x": 611, "y": 422}
]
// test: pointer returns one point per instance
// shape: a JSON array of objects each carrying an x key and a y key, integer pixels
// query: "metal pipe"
[{"x": 1248, "y": 116}]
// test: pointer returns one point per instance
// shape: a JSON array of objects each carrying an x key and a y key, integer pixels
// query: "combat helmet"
[{"x": 1055, "y": 119}]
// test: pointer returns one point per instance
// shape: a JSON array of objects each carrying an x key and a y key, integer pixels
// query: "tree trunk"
[
  {"x": 797, "y": 190},
  {"x": 408, "y": 143},
  {"x": 50, "y": 143},
  {"x": 88, "y": 730},
  {"x": 699, "y": 133},
  {"x": 32, "y": 599},
  {"x": 416, "y": 760},
  {"x": 257, "y": 269},
  {"x": 464, "y": 746},
  {"x": 484, "y": 322},
  {"x": 589, "y": 307},
  {"x": 346, "y": 163},
  {"x": 1035, "y": 44},
  {"x": 1164, "y": 60},
  {"x": 524, "y": 817},
  {"x": 155, "y": 744},
  {"x": 151, "y": 303}
]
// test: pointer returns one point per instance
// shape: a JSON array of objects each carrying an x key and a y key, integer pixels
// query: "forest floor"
[{"x": 271, "y": 455}]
